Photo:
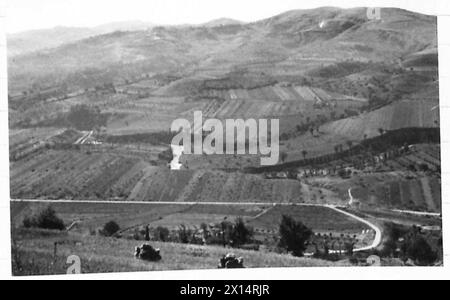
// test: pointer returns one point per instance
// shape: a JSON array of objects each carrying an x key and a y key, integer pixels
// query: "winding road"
[{"x": 378, "y": 233}]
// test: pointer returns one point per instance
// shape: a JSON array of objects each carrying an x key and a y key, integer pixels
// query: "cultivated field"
[
  {"x": 89, "y": 217},
  {"x": 403, "y": 114},
  {"x": 278, "y": 93},
  {"x": 132, "y": 173},
  {"x": 410, "y": 182}
]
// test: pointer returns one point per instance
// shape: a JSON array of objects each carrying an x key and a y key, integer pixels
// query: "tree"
[
  {"x": 206, "y": 233},
  {"x": 110, "y": 229},
  {"x": 418, "y": 249},
  {"x": 83, "y": 117},
  {"x": 424, "y": 167},
  {"x": 162, "y": 234},
  {"x": 294, "y": 236},
  {"x": 226, "y": 232},
  {"x": 46, "y": 219},
  {"x": 304, "y": 153},
  {"x": 284, "y": 156},
  {"x": 350, "y": 248},
  {"x": 241, "y": 234},
  {"x": 147, "y": 233},
  {"x": 184, "y": 234},
  {"x": 336, "y": 149},
  {"x": 350, "y": 145}
]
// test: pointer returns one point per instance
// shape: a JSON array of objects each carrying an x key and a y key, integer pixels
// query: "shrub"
[
  {"x": 110, "y": 229},
  {"x": 294, "y": 236},
  {"x": 418, "y": 249},
  {"x": 46, "y": 219}
]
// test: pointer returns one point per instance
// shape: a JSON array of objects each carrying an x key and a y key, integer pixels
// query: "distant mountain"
[
  {"x": 35, "y": 40},
  {"x": 294, "y": 43},
  {"x": 123, "y": 26},
  {"x": 222, "y": 22}
]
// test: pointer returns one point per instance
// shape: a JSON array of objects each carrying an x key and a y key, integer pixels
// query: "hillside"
[
  {"x": 402, "y": 114},
  {"x": 35, "y": 255},
  {"x": 90, "y": 117},
  {"x": 95, "y": 175},
  {"x": 36, "y": 40},
  {"x": 221, "y": 22},
  {"x": 332, "y": 77},
  {"x": 291, "y": 41}
]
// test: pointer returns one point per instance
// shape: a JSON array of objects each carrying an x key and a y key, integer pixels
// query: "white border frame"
[{"x": 441, "y": 9}]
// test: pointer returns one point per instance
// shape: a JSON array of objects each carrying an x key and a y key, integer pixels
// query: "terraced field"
[
  {"x": 72, "y": 174},
  {"x": 404, "y": 114},
  {"x": 21, "y": 136},
  {"x": 97, "y": 175},
  {"x": 429, "y": 155},
  {"x": 217, "y": 186},
  {"x": 411, "y": 181},
  {"x": 28, "y": 141},
  {"x": 423, "y": 194},
  {"x": 271, "y": 101},
  {"x": 252, "y": 109},
  {"x": 226, "y": 187},
  {"x": 148, "y": 115},
  {"x": 389, "y": 190},
  {"x": 278, "y": 94}
]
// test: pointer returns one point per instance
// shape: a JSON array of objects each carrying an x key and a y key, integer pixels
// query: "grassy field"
[
  {"x": 33, "y": 254},
  {"x": 92, "y": 216},
  {"x": 321, "y": 219}
]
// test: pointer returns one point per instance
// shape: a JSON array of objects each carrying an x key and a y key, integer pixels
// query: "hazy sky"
[{"x": 36, "y": 14}]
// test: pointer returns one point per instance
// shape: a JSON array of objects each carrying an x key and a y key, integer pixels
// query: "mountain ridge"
[{"x": 299, "y": 39}]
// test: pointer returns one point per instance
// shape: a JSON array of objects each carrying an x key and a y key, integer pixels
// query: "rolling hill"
[
  {"x": 328, "y": 69},
  {"x": 31, "y": 41},
  {"x": 294, "y": 42}
]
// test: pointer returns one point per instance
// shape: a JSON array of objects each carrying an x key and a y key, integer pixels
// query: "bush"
[
  {"x": 411, "y": 243},
  {"x": 110, "y": 229},
  {"x": 418, "y": 249},
  {"x": 294, "y": 236},
  {"x": 46, "y": 219}
]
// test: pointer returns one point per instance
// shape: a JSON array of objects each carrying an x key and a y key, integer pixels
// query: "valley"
[{"x": 358, "y": 104}]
